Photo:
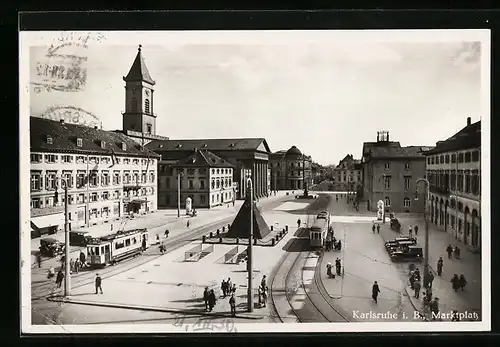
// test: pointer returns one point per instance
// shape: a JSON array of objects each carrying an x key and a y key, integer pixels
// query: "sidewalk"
[{"x": 469, "y": 265}]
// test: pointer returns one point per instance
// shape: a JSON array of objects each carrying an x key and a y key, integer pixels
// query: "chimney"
[
  {"x": 387, "y": 139},
  {"x": 468, "y": 121}
]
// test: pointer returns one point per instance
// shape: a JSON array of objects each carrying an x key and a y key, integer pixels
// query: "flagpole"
[{"x": 87, "y": 196}]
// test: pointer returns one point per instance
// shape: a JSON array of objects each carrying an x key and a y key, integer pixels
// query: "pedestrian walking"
[
  {"x": 410, "y": 231},
  {"x": 157, "y": 239},
  {"x": 229, "y": 284},
  {"x": 111, "y": 227},
  {"x": 166, "y": 233},
  {"x": 462, "y": 282},
  {"x": 51, "y": 272},
  {"x": 329, "y": 271},
  {"x": 223, "y": 287},
  {"x": 449, "y": 250},
  {"x": 440, "y": 266},
  {"x": 233, "y": 290},
  {"x": 187, "y": 224},
  {"x": 39, "y": 259},
  {"x": 82, "y": 258},
  {"x": 455, "y": 282},
  {"x": 416, "y": 230},
  {"x": 375, "y": 291},
  {"x": 430, "y": 279},
  {"x": 260, "y": 296},
  {"x": 211, "y": 300},
  {"x": 77, "y": 265},
  {"x": 338, "y": 266},
  {"x": 434, "y": 306},
  {"x": 264, "y": 296},
  {"x": 373, "y": 228},
  {"x": 71, "y": 264},
  {"x": 417, "y": 287},
  {"x": 298, "y": 223},
  {"x": 59, "y": 278},
  {"x": 457, "y": 252},
  {"x": 263, "y": 282},
  {"x": 98, "y": 284},
  {"x": 206, "y": 297},
  {"x": 232, "y": 303},
  {"x": 412, "y": 280},
  {"x": 378, "y": 228}
]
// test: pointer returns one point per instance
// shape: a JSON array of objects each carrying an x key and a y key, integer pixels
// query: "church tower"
[{"x": 139, "y": 100}]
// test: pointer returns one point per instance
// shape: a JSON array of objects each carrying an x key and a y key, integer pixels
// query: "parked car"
[
  {"x": 393, "y": 246},
  {"x": 411, "y": 253},
  {"x": 399, "y": 239},
  {"x": 395, "y": 224},
  {"x": 50, "y": 247},
  {"x": 79, "y": 238}
]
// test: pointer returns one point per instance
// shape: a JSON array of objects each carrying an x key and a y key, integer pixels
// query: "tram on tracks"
[
  {"x": 116, "y": 247},
  {"x": 319, "y": 230}
]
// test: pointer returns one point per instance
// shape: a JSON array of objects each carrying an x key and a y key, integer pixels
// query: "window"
[
  {"x": 407, "y": 166},
  {"x": 218, "y": 184},
  {"x": 127, "y": 242},
  {"x": 190, "y": 172},
  {"x": 68, "y": 176},
  {"x": 213, "y": 198},
  {"x": 93, "y": 197},
  {"x": 36, "y": 158},
  {"x": 453, "y": 158},
  {"x": 387, "y": 201},
  {"x": 105, "y": 178},
  {"x": 135, "y": 161},
  {"x": 126, "y": 161},
  {"x": 453, "y": 182},
  {"x": 202, "y": 199},
  {"x": 213, "y": 184},
  {"x": 428, "y": 160},
  {"x": 460, "y": 182},
  {"x": 50, "y": 182},
  {"x": 387, "y": 166},
  {"x": 67, "y": 158},
  {"x": 93, "y": 160},
  {"x": 81, "y": 200},
  {"x": 49, "y": 140},
  {"x": 133, "y": 104},
  {"x": 441, "y": 159},
  {"x": 460, "y": 157},
  {"x": 467, "y": 157},
  {"x": 36, "y": 181},
  {"x": 105, "y": 196},
  {"x": 387, "y": 182},
  {"x": 467, "y": 183},
  {"x": 190, "y": 184},
  {"x": 432, "y": 160},
  {"x": 80, "y": 159},
  {"x": 407, "y": 183},
  {"x": 80, "y": 179},
  {"x": 50, "y": 158},
  {"x": 116, "y": 177},
  {"x": 218, "y": 172},
  {"x": 407, "y": 202},
  {"x": 152, "y": 177},
  {"x": 103, "y": 144},
  {"x": 475, "y": 156},
  {"x": 119, "y": 244},
  {"x": 447, "y": 158},
  {"x": 36, "y": 203},
  {"x": 93, "y": 179},
  {"x": 146, "y": 105},
  {"x": 202, "y": 184},
  {"x": 143, "y": 177}
]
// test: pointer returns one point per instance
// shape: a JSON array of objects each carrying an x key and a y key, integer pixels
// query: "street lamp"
[
  {"x": 67, "y": 270},
  {"x": 180, "y": 174},
  {"x": 249, "y": 251},
  {"x": 426, "y": 249}
]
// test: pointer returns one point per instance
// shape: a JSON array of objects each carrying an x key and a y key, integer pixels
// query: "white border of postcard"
[{"x": 28, "y": 39}]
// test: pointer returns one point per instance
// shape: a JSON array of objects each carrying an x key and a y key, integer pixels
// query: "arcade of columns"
[{"x": 259, "y": 178}]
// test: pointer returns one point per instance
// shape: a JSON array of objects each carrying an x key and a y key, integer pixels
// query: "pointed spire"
[{"x": 139, "y": 71}]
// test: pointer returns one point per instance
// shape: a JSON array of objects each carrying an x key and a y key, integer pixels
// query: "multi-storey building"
[
  {"x": 202, "y": 176},
  {"x": 289, "y": 169},
  {"x": 390, "y": 173},
  {"x": 348, "y": 174},
  {"x": 454, "y": 174},
  {"x": 107, "y": 174}
]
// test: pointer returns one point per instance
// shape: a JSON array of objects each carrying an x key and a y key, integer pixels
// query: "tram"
[
  {"x": 115, "y": 247},
  {"x": 318, "y": 232}
]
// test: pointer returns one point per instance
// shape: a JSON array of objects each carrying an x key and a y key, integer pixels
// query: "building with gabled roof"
[
  {"x": 107, "y": 173},
  {"x": 202, "y": 176},
  {"x": 389, "y": 174},
  {"x": 347, "y": 174},
  {"x": 454, "y": 173}
]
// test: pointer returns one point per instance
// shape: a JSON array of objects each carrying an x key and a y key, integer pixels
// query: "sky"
[{"x": 326, "y": 97}]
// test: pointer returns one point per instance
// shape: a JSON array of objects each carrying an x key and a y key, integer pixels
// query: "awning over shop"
[
  {"x": 48, "y": 220},
  {"x": 34, "y": 227}
]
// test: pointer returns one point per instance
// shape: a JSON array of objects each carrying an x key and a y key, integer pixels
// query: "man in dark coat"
[
  {"x": 378, "y": 228},
  {"x": 211, "y": 300},
  {"x": 59, "y": 278},
  {"x": 449, "y": 250},
  {"x": 375, "y": 291},
  {"x": 98, "y": 283},
  {"x": 206, "y": 297},
  {"x": 232, "y": 303},
  {"x": 82, "y": 258}
]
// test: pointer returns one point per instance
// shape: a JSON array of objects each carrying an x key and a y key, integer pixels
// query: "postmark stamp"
[
  {"x": 72, "y": 115},
  {"x": 63, "y": 67}
]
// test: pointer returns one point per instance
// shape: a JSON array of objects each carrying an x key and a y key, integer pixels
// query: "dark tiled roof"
[
  {"x": 208, "y": 144},
  {"x": 64, "y": 137},
  {"x": 202, "y": 158},
  {"x": 367, "y": 146},
  {"x": 139, "y": 71},
  {"x": 394, "y": 152},
  {"x": 293, "y": 151},
  {"x": 468, "y": 137}
]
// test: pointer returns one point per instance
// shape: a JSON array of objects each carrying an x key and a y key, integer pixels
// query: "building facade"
[
  {"x": 348, "y": 174},
  {"x": 454, "y": 174},
  {"x": 107, "y": 173},
  {"x": 202, "y": 176},
  {"x": 289, "y": 169},
  {"x": 248, "y": 156},
  {"x": 390, "y": 173}
]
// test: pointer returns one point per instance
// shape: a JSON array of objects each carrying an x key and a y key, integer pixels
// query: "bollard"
[
  {"x": 271, "y": 228},
  {"x": 220, "y": 239},
  {"x": 203, "y": 239},
  {"x": 286, "y": 227},
  {"x": 237, "y": 240},
  {"x": 223, "y": 229},
  {"x": 273, "y": 242},
  {"x": 277, "y": 238},
  {"x": 218, "y": 232},
  {"x": 211, "y": 234},
  {"x": 254, "y": 241}
]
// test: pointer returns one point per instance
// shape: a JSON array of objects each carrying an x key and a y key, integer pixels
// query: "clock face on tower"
[{"x": 147, "y": 92}]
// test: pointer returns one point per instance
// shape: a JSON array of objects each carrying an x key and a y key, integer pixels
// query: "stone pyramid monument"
[{"x": 241, "y": 224}]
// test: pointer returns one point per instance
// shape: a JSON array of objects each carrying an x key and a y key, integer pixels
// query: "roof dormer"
[
  {"x": 79, "y": 142},
  {"x": 179, "y": 145},
  {"x": 49, "y": 140},
  {"x": 101, "y": 143},
  {"x": 123, "y": 146}
]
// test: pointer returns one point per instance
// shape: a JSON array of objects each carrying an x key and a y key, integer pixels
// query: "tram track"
[{"x": 315, "y": 297}]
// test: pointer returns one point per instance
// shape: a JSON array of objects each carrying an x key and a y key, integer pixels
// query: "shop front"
[{"x": 46, "y": 224}]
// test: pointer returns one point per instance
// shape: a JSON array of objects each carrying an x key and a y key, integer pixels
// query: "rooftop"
[
  {"x": 238, "y": 144},
  {"x": 139, "y": 71},
  {"x": 468, "y": 137},
  {"x": 52, "y": 136},
  {"x": 200, "y": 158}
]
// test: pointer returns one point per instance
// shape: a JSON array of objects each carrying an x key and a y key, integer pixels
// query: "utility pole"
[
  {"x": 67, "y": 270},
  {"x": 426, "y": 249},
  {"x": 179, "y": 176},
  {"x": 249, "y": 251}
]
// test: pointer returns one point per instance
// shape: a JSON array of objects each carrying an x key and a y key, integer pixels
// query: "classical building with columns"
[
  {"x": 453, "y": 169},
  {"x": 249, "y": 157},
  {"x": 289, "y": 169}
]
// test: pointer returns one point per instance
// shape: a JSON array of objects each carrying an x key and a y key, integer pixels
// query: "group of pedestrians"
[
  {"x": 376, "y": 228},
  {"x": 453, "y": 251},
  {"x": 338, "y": 268}
]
